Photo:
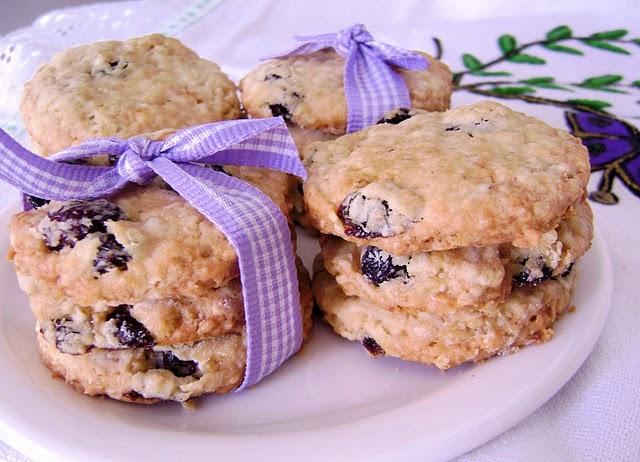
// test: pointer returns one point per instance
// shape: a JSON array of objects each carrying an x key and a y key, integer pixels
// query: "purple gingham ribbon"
[
  {"x": 248, "y": 218},
  {"x": 372, "y": 87}
]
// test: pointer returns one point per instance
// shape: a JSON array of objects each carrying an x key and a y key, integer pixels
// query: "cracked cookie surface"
[
  {"x": 122, "y": 89},
  {"x": 308, "y": 90},
  {"x": 156, "y": 246},
  {"x": 462, "y": 278},
  {"x": 446, "y": 339},
  {"x": 476, "y": 175}
]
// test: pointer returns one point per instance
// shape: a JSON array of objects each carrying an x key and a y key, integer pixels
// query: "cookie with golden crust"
[
  {"x": 123, "y": 88},
  {"x": 76, "y": 329},
  {"x": 308, "y": 90},
  {"x": 144, "y": 243},
  {"x": 449, "y": 339},
  {"x": 461, "y": 278},
  {"x": 435, "y": 281},
  {"x": 151, "y": 372},
  {"x": 476, "y": 175}
]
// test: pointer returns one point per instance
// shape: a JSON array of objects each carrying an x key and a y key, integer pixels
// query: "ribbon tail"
[
  {"x": 260, "y": 234},
  {"x": 371, "y": 88}
]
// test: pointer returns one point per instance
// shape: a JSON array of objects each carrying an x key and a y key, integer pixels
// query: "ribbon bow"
[
  {"x": 248, "y": 218},
  {"x": 372, "y": 87}
]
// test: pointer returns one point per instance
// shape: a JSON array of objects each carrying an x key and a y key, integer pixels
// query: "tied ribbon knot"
[
  {"x": 372, "y": 85},
  {"x": 132, "y": 163},
  {"x": 252, "y": 223}
]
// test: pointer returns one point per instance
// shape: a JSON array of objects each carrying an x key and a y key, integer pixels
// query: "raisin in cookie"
[
  {"x": 476, "y": 175},
  {"x": 139, "y": 368},
  {"x": 462, "y": 278},
  {"x": 308, "y": 90},
  {"x": 435, "y": 281},
  {"x": 144, "y": 243},
  {"x": 446, "y": 339},
  {"x": 123, "y": 89}
]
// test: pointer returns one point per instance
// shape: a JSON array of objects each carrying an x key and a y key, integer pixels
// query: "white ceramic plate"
[{"x": 330, "y": 402}]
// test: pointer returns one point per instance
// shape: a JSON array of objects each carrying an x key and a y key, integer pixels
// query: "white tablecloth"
[{"x": 596, "y": 415}]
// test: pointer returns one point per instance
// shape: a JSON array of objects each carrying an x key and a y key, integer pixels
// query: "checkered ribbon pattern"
[
  {"x": 371, "y": 84},
  {"x": 253, "y": 224}
]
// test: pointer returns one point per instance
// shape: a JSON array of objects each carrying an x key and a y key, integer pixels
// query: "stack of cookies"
[
  {"x": 308, "y": 92},
  {"x": 448, "y": 237},
  {"x": 136, "y": 296}
]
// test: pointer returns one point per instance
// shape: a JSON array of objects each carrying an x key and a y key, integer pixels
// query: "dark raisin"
[
  {"x": 400, "y": 115},
  {"x": 74, "y": 220},
  {"x": 378, "y": 266},
  {"x": 360, "y": 228},
  {"x": 372, "y": 347},
  {"x": 567, "y": 271},
  {"x": 114, "y": 68},
  {"x": 130, "y": 332},
  {"x": 280, "y": 110},
  {"x": 272, "y": 76},
  {"x": 219, "y": 168},
  {"x": 180, "y": 368},
  {"x": 132, "y": 396},
  {"x": 454, "y": 128},
  {"x": 523, "y": 278},
  {"x": 35, "y": 202},
  {"x": 68, "y": 337},
  {"x": 111, "y": 255}
]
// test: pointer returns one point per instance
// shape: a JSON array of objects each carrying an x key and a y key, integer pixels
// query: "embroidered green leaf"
[
  {"x": 544, "y": 82},
  {"x": 507, "y": 43},
  {"x": 636, "y": 83},
  {"x": 597, "y": 104},
  {"x": 537, "y": 80},
  {"x": 491, "y": 73},
  {"x": 526, "y": 59},
  {"x": 471, "y": 62},
  {"x": 559, "y": 33},
  {"x": 610, "y": 34},
  {"x": 636, "y": 41},
  {"x": 512, "y": 90},
  {"x": 605, "y": 89},
  {"x": 605, "y": 46},
  {"x": 601, "y": 80},
  {"x": 563, "y": 49}
]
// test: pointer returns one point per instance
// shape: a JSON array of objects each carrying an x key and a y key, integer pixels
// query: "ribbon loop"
[
  {"x": 372, "y": 86},
  {"x": 252, "y": 223}
]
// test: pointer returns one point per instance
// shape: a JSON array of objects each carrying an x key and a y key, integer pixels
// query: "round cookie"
[
  {"x": 556, "y": 251},
  {"x": 144, "y": 243},
  {"x": 308, "y": 90},
  {"x": 123, "y": 89},
  {"x": 155, "y": 373},
  {"x": 434, "y": 281},
  {"x": 462, "y": 278},
  {"x": 476, "y": 175},
  {"x": 150, "y": 375},
  {"x": 449, "y": 339}
]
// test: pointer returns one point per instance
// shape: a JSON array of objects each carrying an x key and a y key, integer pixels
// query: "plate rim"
[{"x": 35, "y": 446}]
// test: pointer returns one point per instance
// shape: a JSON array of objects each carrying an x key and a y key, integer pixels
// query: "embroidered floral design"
[{"x": 613, "y": 144}]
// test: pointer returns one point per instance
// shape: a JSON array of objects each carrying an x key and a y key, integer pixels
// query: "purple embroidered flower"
[{"x": 614, "y": 148}]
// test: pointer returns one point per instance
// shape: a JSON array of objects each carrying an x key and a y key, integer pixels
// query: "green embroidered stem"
[
  {"x": 573, "y": 104},
  {"x": 517, "y": 51}
]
